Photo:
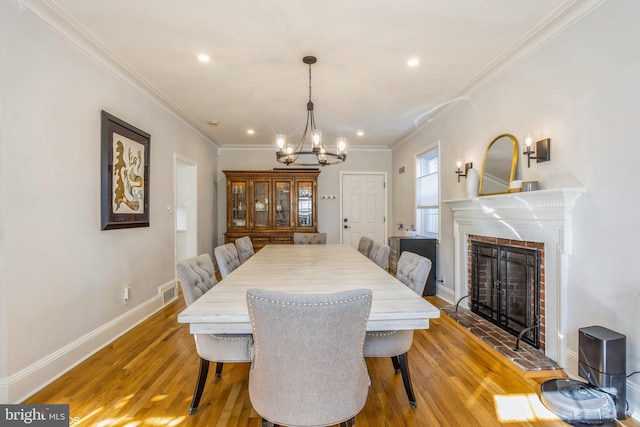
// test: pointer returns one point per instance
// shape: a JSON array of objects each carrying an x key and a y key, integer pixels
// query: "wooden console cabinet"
[{"x": 269, "y": 206}]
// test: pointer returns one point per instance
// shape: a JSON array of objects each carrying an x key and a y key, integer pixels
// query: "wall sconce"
[
  {"x": 467, "y": 166},
  {"x": 542, "y": 153}
]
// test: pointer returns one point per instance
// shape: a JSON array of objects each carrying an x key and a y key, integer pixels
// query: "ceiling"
[{"x": 256, "y": 78}]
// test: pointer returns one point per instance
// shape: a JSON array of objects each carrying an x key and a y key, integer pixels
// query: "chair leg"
[
  {"x": 202, "y": 379},
  {"x": 266, "y": 423},
  {"x": 349, "y": 423},
  {"x": 219, "y": 369},
  {"x": 406, "y": 378},
  {"x": 396, "y": 364}
]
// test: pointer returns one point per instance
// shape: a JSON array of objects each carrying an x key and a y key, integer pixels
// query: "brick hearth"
[{"x": 530, "y": 361}]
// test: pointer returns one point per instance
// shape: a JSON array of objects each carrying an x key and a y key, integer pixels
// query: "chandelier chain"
[{"x": 309, "y": 82}]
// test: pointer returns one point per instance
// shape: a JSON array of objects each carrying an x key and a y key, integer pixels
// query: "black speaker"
[{"x": 603, "y": 363}]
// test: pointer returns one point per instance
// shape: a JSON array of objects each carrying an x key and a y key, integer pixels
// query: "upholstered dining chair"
[
  {"x": 244, "y": 246},
  {"x": 227, "y": 258},
  {"x": 309, "y": 238},
  {"x": 380, "y": 254},
  {"x": 308, "y": 368},
  {"x": 196, "y": 276},
  {"x": 365, "y": 244},
  {"x": 412, "y": 270}
]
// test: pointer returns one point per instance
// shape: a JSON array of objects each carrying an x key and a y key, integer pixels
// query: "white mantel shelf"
[
  {"x": 537, "y": 216},
  {"x": 555, "y": 198}
]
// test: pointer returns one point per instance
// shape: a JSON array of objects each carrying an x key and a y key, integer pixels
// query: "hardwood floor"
[{"x": 147, "y": 377}]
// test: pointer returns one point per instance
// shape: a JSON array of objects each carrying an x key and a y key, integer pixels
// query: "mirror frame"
[{"x": 514, "y": 163}]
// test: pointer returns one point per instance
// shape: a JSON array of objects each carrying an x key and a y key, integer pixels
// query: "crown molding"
[
  {"x": 557, "y": 22},
  {"x": 56, "y": 19},
  {"x": 561, "y": 19},
  {"x": 254, "y": 147}
]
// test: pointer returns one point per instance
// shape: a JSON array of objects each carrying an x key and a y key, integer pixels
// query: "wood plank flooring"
[{"x": 147, "y": 377}]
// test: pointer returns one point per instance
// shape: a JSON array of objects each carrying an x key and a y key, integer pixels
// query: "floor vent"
[{"x": 168, "y": 293}]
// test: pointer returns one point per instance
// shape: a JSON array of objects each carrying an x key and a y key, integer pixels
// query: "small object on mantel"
[
  {"x": 473, "y": 183},
  {"x": 515, "y": 186}
]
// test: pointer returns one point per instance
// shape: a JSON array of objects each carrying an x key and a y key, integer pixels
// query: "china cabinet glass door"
[
  {"x": 239, "y": 204},
  {"x": 261, "y": 204},
  {"x": 283, "y": 204},
  {"x": 305, "y": 204}
]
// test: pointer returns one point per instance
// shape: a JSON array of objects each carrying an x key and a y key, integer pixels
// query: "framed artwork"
[{"x": 125, "y": 174}]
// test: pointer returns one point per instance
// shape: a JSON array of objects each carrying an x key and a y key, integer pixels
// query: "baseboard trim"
[
  {"x": 446, "y": 294},
  {"x": 38, "y": 375}
]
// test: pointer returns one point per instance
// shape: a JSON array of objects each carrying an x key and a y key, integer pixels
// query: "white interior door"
[
  {"x": 186, "y": 208},
  {"x": 364, "y": 207}
]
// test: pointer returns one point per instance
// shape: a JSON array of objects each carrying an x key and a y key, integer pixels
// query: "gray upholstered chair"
[
  {"x": 380, "y": 254},
  {"x": 413, "y": 271},
  {"x": 244, "y": 246},
  {"x": 309, "y": 238},
  {"x": 308, "y": 367},
  {"x": 227, "y": 258},
  {"x": 364, "y": 245},
  {"x": 196, "y": 276}
]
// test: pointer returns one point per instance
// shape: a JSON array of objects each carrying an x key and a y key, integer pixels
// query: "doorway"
[
  {"x": 186, "y": 208},
  {"x": 363, "y": 207}
]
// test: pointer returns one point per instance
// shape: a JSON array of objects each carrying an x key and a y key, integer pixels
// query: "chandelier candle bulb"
[
  {"x": 280, "y": 142},
  {"x": 342, "y": 145},
  {"x": 317, "y": 139}
]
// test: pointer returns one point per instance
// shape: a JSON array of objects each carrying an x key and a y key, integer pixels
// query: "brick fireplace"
[
  {"x": 506, "y": 284},
  {"x": 540, "y": 218}
]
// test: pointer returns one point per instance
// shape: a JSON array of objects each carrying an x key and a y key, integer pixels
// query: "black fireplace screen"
[{"x": 505, "y": 288}]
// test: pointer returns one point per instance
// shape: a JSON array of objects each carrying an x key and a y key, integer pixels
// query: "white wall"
[
  {"x": 63, "y": 277},
  {"x": 581, "y": 89},
  {"x": 328, "y": 180}
]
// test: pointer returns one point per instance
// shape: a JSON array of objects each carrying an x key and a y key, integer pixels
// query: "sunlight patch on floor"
[
  {"x": 164, "y": 421},
  {"x": 123, "y": 421},
  {"x": 123, "y": 401},
  {"x": 85, "y": 418},
  {"x": 521, "y": 407}
]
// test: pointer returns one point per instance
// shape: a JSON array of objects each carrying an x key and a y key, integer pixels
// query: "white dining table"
[{"x": 308, "y": 269}]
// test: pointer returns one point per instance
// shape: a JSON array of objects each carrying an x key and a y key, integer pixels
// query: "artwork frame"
[{"x": 125, "y": 200}]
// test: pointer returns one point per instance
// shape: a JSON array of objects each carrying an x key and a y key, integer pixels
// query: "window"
[{"x": 427, "y": 209}]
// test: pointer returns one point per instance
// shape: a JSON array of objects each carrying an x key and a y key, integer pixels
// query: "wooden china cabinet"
[{"x": 269, "y": 206}]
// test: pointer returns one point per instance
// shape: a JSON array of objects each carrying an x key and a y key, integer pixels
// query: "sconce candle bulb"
[
  {"x": 467, "y": 166},
  {"x": 528, "y": 140}
]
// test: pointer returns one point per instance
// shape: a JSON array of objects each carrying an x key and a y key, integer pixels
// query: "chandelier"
[{"x": 303, "y": 155}]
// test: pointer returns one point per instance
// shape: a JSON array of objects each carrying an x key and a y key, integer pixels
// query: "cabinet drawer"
[
  {"x": 282, "y": 239},
  {"x": 260, "y": 239}
]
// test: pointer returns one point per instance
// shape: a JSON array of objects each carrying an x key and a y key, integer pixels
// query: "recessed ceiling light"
[
  {"x": 360, "y": 133},
  {"x": 250, "y": 131},
  {"x": 203, "y": 57},
  {"x": 413, "y": 62}
]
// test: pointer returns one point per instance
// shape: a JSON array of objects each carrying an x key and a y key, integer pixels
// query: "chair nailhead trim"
[
  {"x": 310, "y": 304},
  {"x": 381, "y": 333},
  {"x": 221, "y": 337}
]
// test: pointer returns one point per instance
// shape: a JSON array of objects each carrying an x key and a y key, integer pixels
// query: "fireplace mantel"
[
  {"x": 536, "y": 216},
  {"x": 553, "y": 203}
]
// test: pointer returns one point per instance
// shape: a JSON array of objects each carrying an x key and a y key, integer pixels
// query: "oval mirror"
[{"x": 499, "y": 165}]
